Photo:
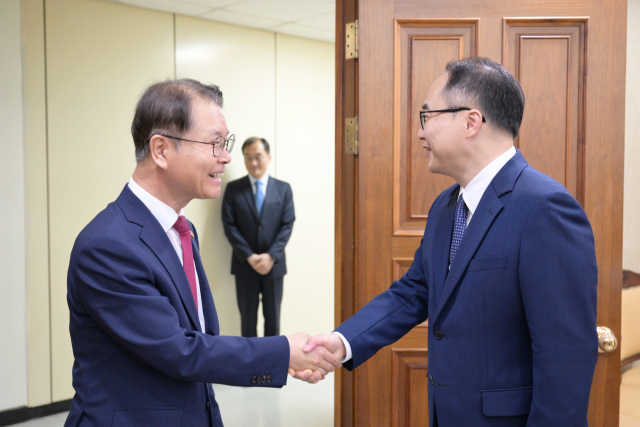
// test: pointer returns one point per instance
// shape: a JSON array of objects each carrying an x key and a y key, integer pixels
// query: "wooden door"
[{"x": 570, "y": 59}]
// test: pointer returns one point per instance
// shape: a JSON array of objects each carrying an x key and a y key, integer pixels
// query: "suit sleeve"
[
  {"x": 239, "y": 244},
  {"x": 390, "y": 315},
  {"x": 116, "y": 288},
  {"x": 286, "y": 226},
  {"x": 558, "y": 279}
]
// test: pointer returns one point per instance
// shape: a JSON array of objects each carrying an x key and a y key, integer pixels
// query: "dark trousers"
[{"x": 248, "y": 290}]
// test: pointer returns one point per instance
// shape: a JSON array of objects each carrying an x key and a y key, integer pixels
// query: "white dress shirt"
[
  {"x": 264, "y": 180},
  {"x": 167, "y": 217},
  {"x": 472, "y": 195}
]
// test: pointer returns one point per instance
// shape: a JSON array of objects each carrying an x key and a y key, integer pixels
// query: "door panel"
[
  {"x": 548, "y": 58},
  {"x": 570, "y": 59}
]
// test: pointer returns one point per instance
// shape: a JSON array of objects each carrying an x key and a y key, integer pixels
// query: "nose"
[
  {"x": 420, "y": 133},
  {"x": 225, "y": 157}
]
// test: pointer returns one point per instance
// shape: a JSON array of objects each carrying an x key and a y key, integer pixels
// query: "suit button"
[
  {"x": 264, "y": 379},
  {"x": 208, "y": 406},
  {"x": 438, "y": 334},
  {"x": 253, "y": 380},
  {"x": 259, "y": 380},
  {"x": 269, "y": 378}
]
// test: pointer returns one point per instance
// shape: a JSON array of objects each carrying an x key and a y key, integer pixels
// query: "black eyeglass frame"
[
  {"x": 227, "y": 145},
  {"x": 424, "y": 118}
]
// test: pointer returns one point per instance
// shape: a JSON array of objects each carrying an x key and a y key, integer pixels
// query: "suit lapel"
[
  {"x": 154, "y": 236},
  {"x": 442, "y": 243},
  {"x": 208, "y": 306},
  {"x": 270, "y": 196},
  {"x": 251, "y": 199},
  {"x": 486, "y": 212}
]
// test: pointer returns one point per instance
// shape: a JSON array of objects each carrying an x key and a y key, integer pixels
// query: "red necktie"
[{"x": 182, "y": 227}]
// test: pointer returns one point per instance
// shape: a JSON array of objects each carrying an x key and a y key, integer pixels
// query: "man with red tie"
[{"x": 143, "y": 323}]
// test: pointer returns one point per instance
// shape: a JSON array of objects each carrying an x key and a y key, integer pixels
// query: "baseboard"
[{"x": 14, "y": 416}]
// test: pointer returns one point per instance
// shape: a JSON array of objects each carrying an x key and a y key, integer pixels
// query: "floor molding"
[{"x": 14, "y": 416}]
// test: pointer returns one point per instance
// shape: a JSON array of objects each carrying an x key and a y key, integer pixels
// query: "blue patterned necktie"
[
  {"x": 459, "y": 225},
  {"x": 259, "y": 196}
]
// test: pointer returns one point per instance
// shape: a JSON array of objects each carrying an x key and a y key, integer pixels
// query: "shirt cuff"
[{"x": 348, "y": 356}]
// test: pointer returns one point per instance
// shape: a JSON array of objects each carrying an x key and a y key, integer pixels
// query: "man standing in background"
[{"x": 258, "y": 215}]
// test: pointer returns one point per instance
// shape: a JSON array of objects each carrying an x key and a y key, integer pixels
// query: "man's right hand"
[
  {"x": 309, "y": 365},
  {"x": 253, "y": 260},
  {"x": 330, "y": 342}
]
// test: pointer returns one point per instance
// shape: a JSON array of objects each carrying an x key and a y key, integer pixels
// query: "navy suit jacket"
[
  {"x": 140, "y": 359},
  {"x": 250, "y": 232},
  {"x": 512, "y": 325}
]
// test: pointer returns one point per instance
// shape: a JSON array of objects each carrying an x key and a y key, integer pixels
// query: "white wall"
[
  {"x": 13, "y": 357},
  {"x": 631, "y": 224},
  {"x": 305, "y": 116}
]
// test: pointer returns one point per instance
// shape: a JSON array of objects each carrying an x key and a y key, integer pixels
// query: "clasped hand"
[
  {"x": 312, "y": 358},
  {"x": 261, "y": 263}
]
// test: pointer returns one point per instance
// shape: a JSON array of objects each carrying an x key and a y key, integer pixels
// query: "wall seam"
[
  {"x": 275, "y": 100},
  {"x": 46, "y": 125},
  {"x": 175, "y": 49}
]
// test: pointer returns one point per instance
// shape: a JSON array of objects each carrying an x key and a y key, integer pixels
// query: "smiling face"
[
  {"x": 192, "y": 170},
  {"x": 443, "y": 135},
  {"x": 256, "y": 159}
]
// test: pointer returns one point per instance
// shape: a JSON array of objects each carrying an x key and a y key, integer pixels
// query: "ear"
[
  {"x": 158, "y": 147},
  {"x": 474, "y": 123}
]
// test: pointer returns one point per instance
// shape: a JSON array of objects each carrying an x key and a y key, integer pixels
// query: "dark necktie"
[
  {"x": 182, "y": 227},
  {"x": 459, "y": 226},
  {"x": 259, "y": 196}
]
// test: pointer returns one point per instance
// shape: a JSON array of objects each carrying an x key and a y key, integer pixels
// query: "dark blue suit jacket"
[
  {"x": 512, "y": 326},
  {"x": 250, "y": 232},
  {"x": 140, "y": 360}
]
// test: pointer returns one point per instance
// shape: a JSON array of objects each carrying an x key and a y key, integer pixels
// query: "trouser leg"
[
  {"x": 271, "y": 301},
  {"x": 248, "y": 294}
]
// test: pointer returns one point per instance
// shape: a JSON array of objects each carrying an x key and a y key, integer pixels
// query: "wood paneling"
[
  {"x": 573, "y": 130},
  {"x": 410, "y": 388},
  {"x": 422, "y": 47},
  {"x": 548, "y": 57}
]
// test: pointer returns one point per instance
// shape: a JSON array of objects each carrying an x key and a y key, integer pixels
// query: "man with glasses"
[
  {"x": 506, "y": 271},
  {"x": 143, "y": 323},
  {"x": 258, "y": 215}
]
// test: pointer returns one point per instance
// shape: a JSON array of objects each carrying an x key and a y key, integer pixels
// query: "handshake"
[{"x": 311, "y": 358}]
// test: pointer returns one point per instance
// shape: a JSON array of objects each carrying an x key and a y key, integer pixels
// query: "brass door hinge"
[
  {"x": 351, "y": 40},
  {"x": 351, "y": 135}
]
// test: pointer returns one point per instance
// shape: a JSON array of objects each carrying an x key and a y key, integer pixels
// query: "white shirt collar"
[
  {"x": 475, "y": 189},
  {"x": 263, "y": 180},
  {"x": 164, "y": 213}
]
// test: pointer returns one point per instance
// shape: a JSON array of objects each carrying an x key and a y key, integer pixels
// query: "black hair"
[
  {"x": 253, "y": 139},
  {"x": 487, "y": 86},
  {"x": 165, "y": 107}
]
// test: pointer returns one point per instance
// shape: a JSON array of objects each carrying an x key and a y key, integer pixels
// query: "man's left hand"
[{"x": 264, "y": 264}]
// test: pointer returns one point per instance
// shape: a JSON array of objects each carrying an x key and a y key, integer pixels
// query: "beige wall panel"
[
  {"x": 242, "y": 62},
  {"x": 631, "y": 224},
  {"x": 36, "y": 218},
  {"x": 305, "y": 98},
  {"x": 13, "y": 357},
  {"x": 100, "y": 57}
]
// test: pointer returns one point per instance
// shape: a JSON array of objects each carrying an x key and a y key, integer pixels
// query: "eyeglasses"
[
  {"x": 424, "y": 118},
  {"x": 219, "y": 144}
]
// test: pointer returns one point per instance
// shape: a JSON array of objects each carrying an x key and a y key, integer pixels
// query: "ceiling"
[{"x": 313, "y": 19}]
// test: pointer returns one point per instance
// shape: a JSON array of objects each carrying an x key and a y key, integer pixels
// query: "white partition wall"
[
  {"x": 631, "y": 225},
  {"x": 305, "y": 100},
  {"x": 13, "y": 358}
]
